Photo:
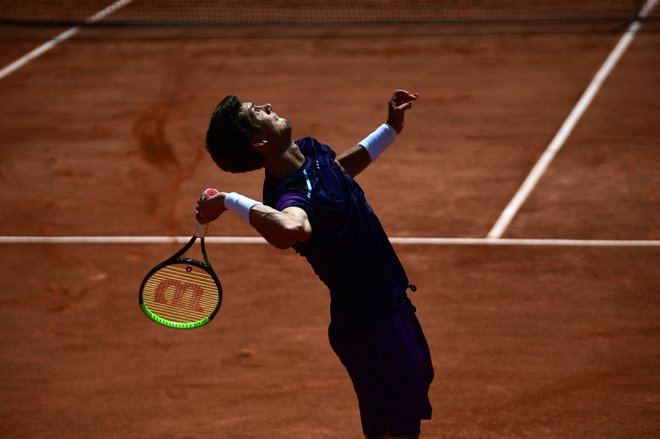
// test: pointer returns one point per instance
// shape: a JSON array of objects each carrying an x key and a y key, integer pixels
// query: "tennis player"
[{"x": 312, "y": 203}]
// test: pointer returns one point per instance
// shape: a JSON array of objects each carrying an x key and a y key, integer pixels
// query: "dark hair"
[{"x": 228, "y": 138}]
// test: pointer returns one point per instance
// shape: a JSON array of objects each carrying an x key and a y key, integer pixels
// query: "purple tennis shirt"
[{"x": 348, "y": 249}]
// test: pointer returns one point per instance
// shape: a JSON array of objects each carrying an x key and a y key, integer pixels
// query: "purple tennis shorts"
[{"x": 389, "y": 362}]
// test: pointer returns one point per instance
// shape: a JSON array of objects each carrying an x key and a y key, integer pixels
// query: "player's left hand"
[{"x": 400, "y": 102}]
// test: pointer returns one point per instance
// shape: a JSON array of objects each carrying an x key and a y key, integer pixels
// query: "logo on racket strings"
[{"x": 186, "y": 295}]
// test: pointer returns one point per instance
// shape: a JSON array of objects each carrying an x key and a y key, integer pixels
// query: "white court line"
[
  {"x": 100, "y": 15},
  {"x": 258, "y": 240},
  {"x": 542, "y": 165}
]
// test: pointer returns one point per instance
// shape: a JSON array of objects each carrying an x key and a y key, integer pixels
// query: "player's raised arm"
[{"x": 357, "y": 158}]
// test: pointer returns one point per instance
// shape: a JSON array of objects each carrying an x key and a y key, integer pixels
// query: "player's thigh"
[{"x": 391, "y": 437}]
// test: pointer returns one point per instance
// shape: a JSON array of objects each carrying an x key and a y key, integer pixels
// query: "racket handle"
[
  {"x": 210, "y": 193},
  {"x": 200, "y": 230}
]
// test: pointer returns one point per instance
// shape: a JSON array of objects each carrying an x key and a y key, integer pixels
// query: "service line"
[{"x": 259, "y": 240}]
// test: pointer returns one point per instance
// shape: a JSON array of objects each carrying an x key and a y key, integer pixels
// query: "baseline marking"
[
  {"x": 259, "y": 240},
  {"x": 100, "y": 15},
  {"x": 569, "y": 124}
]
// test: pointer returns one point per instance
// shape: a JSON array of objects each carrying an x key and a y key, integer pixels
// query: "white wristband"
[
  {"x": 240, "y": 204},
  {"x": 378, "y": 141}
]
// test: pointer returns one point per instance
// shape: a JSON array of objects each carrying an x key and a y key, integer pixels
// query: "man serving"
[{"x": 312, "y": 203}]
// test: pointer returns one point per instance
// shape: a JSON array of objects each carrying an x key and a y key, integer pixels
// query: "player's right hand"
[{"x": 210, "y": 206}]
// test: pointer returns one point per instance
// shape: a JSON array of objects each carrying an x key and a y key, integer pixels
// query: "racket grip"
[
  {"x": 209, "y": 193},
  {"x": 200, "y": 230}
]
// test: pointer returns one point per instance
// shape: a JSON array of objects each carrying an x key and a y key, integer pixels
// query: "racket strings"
[{"x": 181, "y": 293}]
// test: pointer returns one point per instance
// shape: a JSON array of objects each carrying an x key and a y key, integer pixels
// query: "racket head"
[{"x": 181, "y": 293}]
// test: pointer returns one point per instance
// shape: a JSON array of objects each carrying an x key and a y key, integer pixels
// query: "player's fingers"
[
  {"x": 401, "y": 103},
  {"x": 402, "y": 107},
  {"x": 401, "y": 92},
  {"x": 402, "y": 97}
]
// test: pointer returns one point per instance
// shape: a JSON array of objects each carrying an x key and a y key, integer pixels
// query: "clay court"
[{"x": 102, "y": 150}]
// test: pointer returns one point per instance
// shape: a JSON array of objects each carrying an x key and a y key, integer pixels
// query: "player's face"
[{"x": 270, "y": 124}]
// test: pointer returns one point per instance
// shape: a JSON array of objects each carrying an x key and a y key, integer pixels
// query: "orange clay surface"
[{"x": 104, "y": 137}]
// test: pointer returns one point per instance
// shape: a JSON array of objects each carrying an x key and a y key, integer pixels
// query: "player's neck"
[{"x": 286, "y": 163}]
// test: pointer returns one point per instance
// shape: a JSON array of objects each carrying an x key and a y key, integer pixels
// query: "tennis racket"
[{"x": 180, "y": 292}]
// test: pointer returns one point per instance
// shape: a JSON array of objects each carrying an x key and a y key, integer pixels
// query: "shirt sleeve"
[{"x": 292, "y": 199}]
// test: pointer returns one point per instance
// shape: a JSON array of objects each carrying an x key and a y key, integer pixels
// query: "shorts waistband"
[
  {"x": 403, "y": 297},
  {"x": 374, "y": 310}
]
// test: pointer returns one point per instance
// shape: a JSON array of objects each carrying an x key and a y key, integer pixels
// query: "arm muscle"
[
  {"x": 354, "y": 160},
  {"x": 283, "y": 228}
]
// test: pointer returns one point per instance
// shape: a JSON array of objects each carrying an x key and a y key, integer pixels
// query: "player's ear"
[{"x": 258, "y": 141}]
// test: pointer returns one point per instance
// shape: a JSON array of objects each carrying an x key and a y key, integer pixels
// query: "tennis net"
[{"x": 306, "y": 12}]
